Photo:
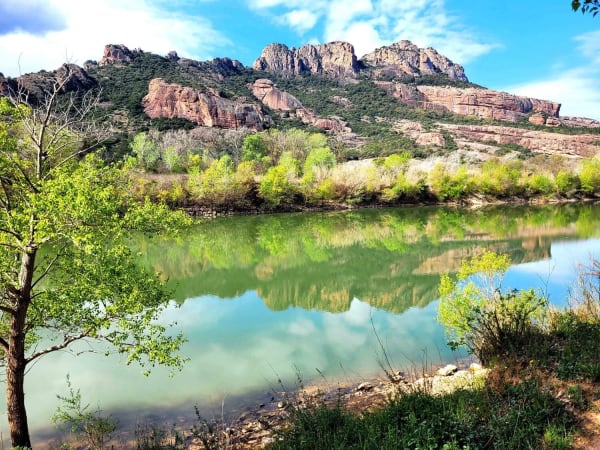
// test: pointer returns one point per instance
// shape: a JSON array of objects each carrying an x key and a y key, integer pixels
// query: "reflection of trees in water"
[{"x": 390, "y": 258}]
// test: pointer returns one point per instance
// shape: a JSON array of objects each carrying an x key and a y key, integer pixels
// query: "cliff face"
[
  {"x": 482, "y": 103},
  {"x": 405, "y": 58},
  {"x": 335, "y": 59},
  {"x": 585, "y": 145},
  {"x": 204, "y": 108}
]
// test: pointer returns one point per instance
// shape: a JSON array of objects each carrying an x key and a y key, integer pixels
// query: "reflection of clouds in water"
[{"x": 554, "y": 276}]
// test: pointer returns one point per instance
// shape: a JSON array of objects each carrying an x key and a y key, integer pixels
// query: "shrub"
[
  {"x": 540, "y": 184},
  {"x": 477, "y": 314},
  {"x": 566, "y": 183},
  {"x": 275, "y": 188},
  {"x": 590, "y": 176}
]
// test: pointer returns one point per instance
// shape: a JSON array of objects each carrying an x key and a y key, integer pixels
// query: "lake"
[{"x": 265, "y": 300}]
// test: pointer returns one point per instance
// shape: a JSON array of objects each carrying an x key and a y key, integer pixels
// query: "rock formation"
[
  {"x": 335, "y": 59},
  {"x": 271, "y": 96},
  {"x": 116, "y": 54},
  {"x": 405, "y": 58},
  {"x": 478, "y": 102},
  {"x": 38, "y": 85},
  {"x": 205, "y": 108},
  {"x": 585, "y": 145},
  {"x": 278, "y": 100}
]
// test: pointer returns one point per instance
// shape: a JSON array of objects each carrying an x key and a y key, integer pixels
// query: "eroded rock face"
[
  {"x": 486, "y": 104},
  {"x": 482, "y": 103},
  {"x": 271, "y": 96},
  {"x": 405, "y": 58},
  {"x": 204, "y": 108},
  {"x": 585, "y": 145},
  {"x": 116, "y": 54},
  {"x": 335, "y": 59}
]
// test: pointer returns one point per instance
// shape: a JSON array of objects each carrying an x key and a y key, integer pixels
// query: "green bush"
[
  {"x": 540, "y": 184},
  {"x": 590, "y": 176},
  {"x": 275, "y": 188},
  {"x": 566, "y": 183},
  {"x": 477, "y": 314}
]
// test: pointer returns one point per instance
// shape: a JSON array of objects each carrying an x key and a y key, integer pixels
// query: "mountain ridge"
[{"x": 321, "y": 86}]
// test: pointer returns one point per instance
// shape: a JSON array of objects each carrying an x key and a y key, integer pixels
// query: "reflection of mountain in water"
[{"x": 390, "y": 258}]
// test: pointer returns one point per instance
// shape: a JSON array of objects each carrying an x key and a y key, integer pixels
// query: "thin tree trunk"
[{"x": 15, "y": 355}]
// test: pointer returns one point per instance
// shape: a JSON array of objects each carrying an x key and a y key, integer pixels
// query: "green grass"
[{"x": 518, "y": 417}]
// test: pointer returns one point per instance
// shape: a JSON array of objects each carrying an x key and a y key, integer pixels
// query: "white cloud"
[
  {"x": 368, "y": 24},
  {"x": 300, "y": 20},
  {"x": 576, "y": 88},
  {"x": 136, "y": 23}
]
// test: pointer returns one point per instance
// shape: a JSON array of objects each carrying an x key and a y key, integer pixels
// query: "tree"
[
  {"x": 586, "y": 6},
  {"x": 65, "y": 273}
]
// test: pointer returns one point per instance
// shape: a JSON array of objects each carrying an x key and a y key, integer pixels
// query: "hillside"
[{"x": 398, "y": 97}]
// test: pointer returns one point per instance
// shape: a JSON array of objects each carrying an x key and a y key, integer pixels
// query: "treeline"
[{"x": 280, "y": 169}]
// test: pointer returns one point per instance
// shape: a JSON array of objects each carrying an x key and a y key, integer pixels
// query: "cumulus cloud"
[
  {"x": 368, "y": 24},
  {"x": 136, "y": 23},
  {"x": 301, "y": 20},
  {"x": 30, "y": 16}
]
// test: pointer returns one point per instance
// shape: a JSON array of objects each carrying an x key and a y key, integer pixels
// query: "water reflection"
[
  {"x": 262, "y": 298},
  {"x": 390, "y": 259}
]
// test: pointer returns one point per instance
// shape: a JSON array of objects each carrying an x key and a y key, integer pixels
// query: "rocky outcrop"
[
  {"x": 38, "y": 85},
  {"x": 271, "y": 96},
  {"x": 478, "y": 102},
  {"x": 205, "y": 108},
  {"x": 278, "y": 100},
  {"x": 335, "y": 59},
  {"x": 486, "y": 104},
  {"x": 585, "y": 145},
  {"x": 117, "y": 54},
  {"x": 405, "y": 58},
  {"x": 579, "y": 122}
]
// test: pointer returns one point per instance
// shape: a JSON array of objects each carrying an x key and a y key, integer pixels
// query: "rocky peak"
[
  {"x": 116, "y": 54},
  {"x": 335, "y": 59},
  {"x": 405, "y": 58}
]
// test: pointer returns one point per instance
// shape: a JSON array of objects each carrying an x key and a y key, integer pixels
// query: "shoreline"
[{"x": 203, "y": 211}]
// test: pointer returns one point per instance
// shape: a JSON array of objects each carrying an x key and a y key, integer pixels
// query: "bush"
[
  {"x": 275, "y": 188},
  {"x": 566, "y": 183},
  {"x": 477, "y": 314},
  {"x": 590, "y": 176}
]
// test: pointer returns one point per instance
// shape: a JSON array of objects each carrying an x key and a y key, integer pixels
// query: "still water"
[{"x": 268, "y": 298}]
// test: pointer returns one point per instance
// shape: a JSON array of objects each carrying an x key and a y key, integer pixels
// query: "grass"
[{"x": 533, "y": 398}]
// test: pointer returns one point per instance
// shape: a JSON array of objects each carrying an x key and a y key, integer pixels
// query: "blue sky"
[{"x": 546, "y": 51}]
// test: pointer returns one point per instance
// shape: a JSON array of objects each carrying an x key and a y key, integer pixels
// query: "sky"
[{"x": 546, "y": 51}]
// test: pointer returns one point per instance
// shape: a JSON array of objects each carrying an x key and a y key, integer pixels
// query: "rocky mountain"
[{"x": 325, "y": 87}]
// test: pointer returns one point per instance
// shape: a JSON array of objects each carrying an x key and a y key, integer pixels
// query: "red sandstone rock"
[{"x": 204, "y": 108}]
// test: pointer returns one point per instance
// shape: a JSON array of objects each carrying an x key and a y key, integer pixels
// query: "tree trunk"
[
  {"x": 15, "y": 354},
  {"x": 15, "y": 401}
]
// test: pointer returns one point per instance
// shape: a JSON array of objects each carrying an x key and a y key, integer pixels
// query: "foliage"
[
  {"x": 65, "y": 273},
  {"x": 590, "y": 175},
  {"x": 476, "y": 312},
  {"x": 275, "y": 187},
  {"x": 588, "y": 6},
  {"x": 78, "y": 419},
  {"x": 449, "y": 186}
]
